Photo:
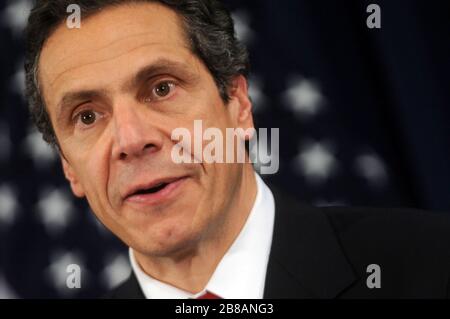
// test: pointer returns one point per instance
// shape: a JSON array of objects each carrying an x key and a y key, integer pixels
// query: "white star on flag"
[
  {"x": 241, "y": 21},
  {"x": 6, "y": 291},
  {"x": 16, "y": 15},
  {"x": 8, "y": 204},
  {"x": 57, "y": 274},
  {"x": 41, "y": 153},
  {"x": 304, "y": 98},
  {"x": 371, "y": 167},
  {"x": 316, "y": 162},
  {"x": 116, "y": 271},
  {"x": 55, "y": 210},
  {"x": 256, "y": 93},
  {"x": 18, "y": 82}
]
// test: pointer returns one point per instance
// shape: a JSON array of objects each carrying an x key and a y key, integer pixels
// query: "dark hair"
[{"x": 207, "y": 23}]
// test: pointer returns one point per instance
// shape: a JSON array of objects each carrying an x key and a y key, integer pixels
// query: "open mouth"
[
  {"x": 155, "y": 191},
  {"x": 151, "y": 190}
]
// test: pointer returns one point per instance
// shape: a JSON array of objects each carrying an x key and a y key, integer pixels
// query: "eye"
[
  {"x": 161, "y": 90},
  {"x": 87, "y": 117}
]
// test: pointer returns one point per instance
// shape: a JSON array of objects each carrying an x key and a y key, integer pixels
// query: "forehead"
[{"x": 106, "y": 39}]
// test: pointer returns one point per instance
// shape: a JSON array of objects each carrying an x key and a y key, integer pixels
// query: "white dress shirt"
[{"x": 241, "y": 273}]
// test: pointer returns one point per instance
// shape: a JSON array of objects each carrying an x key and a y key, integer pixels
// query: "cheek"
[{"x": 94, "y": 170}]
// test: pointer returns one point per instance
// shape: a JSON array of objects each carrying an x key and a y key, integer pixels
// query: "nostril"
[
  {"x": 148, "y": 146},
  {"x": 135, "y": 150}
]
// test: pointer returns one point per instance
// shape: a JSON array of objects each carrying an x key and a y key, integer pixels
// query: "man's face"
[{"x": 115, "y": 89}]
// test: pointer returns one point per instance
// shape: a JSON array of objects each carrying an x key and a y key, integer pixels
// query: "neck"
[{"x": 191, "y": 270}]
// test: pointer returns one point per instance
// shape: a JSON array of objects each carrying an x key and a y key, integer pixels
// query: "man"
[{"x": 108, "y": 96}]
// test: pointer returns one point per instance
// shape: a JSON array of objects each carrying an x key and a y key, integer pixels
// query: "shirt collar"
[{"x": 241, "y": 272}]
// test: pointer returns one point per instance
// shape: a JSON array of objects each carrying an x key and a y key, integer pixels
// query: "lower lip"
[{"x": 158, "y": 197}]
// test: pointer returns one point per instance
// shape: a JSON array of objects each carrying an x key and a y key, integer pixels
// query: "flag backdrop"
[{"x": 364, "y": 118}]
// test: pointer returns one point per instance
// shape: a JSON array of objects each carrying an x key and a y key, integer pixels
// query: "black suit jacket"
[{"x": 324, "y": 253}]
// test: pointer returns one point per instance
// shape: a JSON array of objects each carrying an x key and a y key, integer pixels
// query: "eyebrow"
[
  {"x": 70, "y": 99},
  {"x": 160, "y": 66}
]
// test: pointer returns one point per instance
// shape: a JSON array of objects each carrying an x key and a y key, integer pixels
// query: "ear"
[
  {"x": 69, "y": 172},
  {"x": 240, "y": 104}
]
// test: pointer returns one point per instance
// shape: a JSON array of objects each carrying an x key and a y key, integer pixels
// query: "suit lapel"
[{"x": 306, "y": 260}]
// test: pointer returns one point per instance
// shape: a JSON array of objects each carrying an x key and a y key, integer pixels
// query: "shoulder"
[
  {"x": 411, "y": 247},
  {"x": 389, "y": 223}
]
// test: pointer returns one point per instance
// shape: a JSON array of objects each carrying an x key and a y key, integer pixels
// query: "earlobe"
[
  {"x": 239, "y": 92},
  {"x": 77, "y": 188}
]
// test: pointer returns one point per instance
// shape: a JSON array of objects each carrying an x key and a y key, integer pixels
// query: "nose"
[{"x": 133, "y": 134}]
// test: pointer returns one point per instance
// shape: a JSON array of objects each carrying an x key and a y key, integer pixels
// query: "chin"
[{"x": 166, "y": 242}]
